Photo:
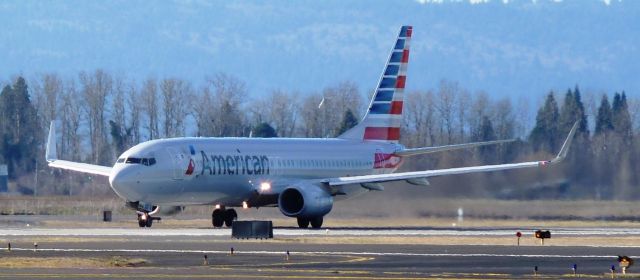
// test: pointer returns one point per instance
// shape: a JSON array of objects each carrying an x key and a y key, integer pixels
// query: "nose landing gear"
[
  {"x": 224, "y": 216},
  {"x": 146, "y": 220}
]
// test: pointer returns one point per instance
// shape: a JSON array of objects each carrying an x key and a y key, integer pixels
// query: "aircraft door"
[{"x": 180, "y": 163}]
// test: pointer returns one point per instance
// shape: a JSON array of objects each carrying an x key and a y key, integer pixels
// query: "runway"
[
  {"x": 340, "y": 253},
  {"x": 291, "y": 232}
]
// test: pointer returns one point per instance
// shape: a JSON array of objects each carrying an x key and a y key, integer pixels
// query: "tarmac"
[{"x": 162, "y": 253}]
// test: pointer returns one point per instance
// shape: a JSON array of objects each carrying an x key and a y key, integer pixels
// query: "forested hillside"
[{"x": 100, "y": 114}]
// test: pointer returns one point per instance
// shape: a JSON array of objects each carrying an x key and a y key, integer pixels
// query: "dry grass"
[
  {"x": 466, "y": 240},
  {"x": 69, "y": 262}
]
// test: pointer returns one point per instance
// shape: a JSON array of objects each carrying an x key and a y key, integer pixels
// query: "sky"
[{"x": 506, "y": 48}]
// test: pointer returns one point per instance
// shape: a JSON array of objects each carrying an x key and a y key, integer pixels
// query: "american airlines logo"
[
  {"x": 383, "y": 160},
  {"x": 234, "y": 164}
]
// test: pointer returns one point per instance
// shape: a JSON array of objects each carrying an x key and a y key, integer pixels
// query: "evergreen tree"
[
  {"x": 20, "y": 131},
  {"x": 487, "y": 133},
  {"x": 569, "y": 113},
  {"x": 545, "y": 133},
  {"x": 583, "y": 127},
  {"x": 348, "y": 121},
  {"x": 572, "y": 111},
  {"x": 621, "y": 119},
  {"x": 264, "y": 130},
  {"x": 5, "y": 104},
  {"x": 117, "y": 137},
  {"x": 604, "y": 122}
]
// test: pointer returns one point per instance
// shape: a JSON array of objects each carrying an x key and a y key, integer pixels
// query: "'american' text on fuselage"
[{"x": 234, "y": 164}]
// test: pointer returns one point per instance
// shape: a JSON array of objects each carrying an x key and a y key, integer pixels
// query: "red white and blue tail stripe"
[{"x": 384, "y": 117}]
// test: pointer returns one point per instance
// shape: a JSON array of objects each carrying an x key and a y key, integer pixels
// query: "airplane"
[{"x": 303, "y": 177}]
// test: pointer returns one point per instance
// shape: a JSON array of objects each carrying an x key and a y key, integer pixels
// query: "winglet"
[
  {"x": 567, "y": 143},
  {"x": 51, "y": 153}
]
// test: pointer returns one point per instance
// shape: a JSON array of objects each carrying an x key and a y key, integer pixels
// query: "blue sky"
[{"x": 507, "y": 49}]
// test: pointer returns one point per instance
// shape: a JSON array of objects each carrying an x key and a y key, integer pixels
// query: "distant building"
[{"x": 4, "y": 177}]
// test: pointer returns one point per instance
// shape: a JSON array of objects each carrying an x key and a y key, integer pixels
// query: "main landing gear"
[
  {"x": 224, "y": 216},
  {"x": 145, "y": 219},
  {"x": 316, "y": 222}
]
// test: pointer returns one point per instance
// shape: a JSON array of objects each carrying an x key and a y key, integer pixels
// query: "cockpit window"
[
  {"x": 120, "y": 160},
  {"x": 133, "y": 160},
  {"x": 144, "y": 161}
]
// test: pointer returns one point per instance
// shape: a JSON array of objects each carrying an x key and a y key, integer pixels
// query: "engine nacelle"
[{"x": 305, "y": 201}]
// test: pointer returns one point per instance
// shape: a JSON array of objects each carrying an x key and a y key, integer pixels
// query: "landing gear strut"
[
  {"x": 316, "y": 222},
  {"x": 224, "y": 216}
]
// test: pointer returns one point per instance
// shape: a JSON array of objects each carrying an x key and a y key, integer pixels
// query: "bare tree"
[
  {"x": 230, "y": 94},
  {"x": 337, "y": 100},
  {"x": 174, "y": 93},
  {"x": 312, "y": 115},
  {"x": 149, "y": 97},
  {"x": 71, "y": 116},
  {"x": 46, "y": 91},
  {"x": 119, "y": 103},
  {"x": 479, "y": 109},
  {"x": 445, "y": 105},
  {"x": 203, "y": 112},
  {"x": 96, "y": 88},
  {"x": 280, "y": 109},
  {"x": 523, "y": 117},
  {"x": 419, "y": 117},
  {"x": 135, "y": 104},
  {"x": 503, "y": 119},
  {"x": 463, "y": 103}
]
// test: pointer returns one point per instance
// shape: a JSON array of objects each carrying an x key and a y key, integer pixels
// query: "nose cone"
[{"x": 123, "y": 181}]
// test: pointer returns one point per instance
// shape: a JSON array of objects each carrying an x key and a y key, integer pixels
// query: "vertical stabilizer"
[{"x": 384, "y": 117}]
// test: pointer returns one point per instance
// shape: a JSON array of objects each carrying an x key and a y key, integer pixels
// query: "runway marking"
[
  {"x": 322, "y": 253},
  {"x": 350, "y": 259}
]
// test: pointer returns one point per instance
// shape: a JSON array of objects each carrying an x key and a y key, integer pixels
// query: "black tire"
[
  {"x": 149, "y": 222},
  {"x": 217, "y": 218},
  {"x": 230, "y": 215},
  {"x": 303, "y": 222},
  {"x": 316, "y": 222},
  {"x": 142, "y": 220}
]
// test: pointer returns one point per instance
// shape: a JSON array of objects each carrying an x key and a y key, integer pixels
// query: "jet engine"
[{"x": 305, "y": 200}]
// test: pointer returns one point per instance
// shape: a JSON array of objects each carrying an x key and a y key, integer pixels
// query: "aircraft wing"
[
  {"x": 52, "y": 158},
  {"x": 428, "y": 150},
  {"x": 81, "y": 167},
  {"x": 369, "y": 181}
]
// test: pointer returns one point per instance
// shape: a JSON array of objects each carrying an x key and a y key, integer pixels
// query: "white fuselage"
[{"x": 230, "y": 171}]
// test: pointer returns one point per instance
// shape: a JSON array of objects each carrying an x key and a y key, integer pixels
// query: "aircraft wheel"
[
  {"x": 144, "y": 220},
  {"x": 149, "y": 222},
  {"x": 303, "y": 222},
  {"x": 316, "y": 222},
  {"x": 217, "y": 218},
  {"x": 230, "y": 215}
]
